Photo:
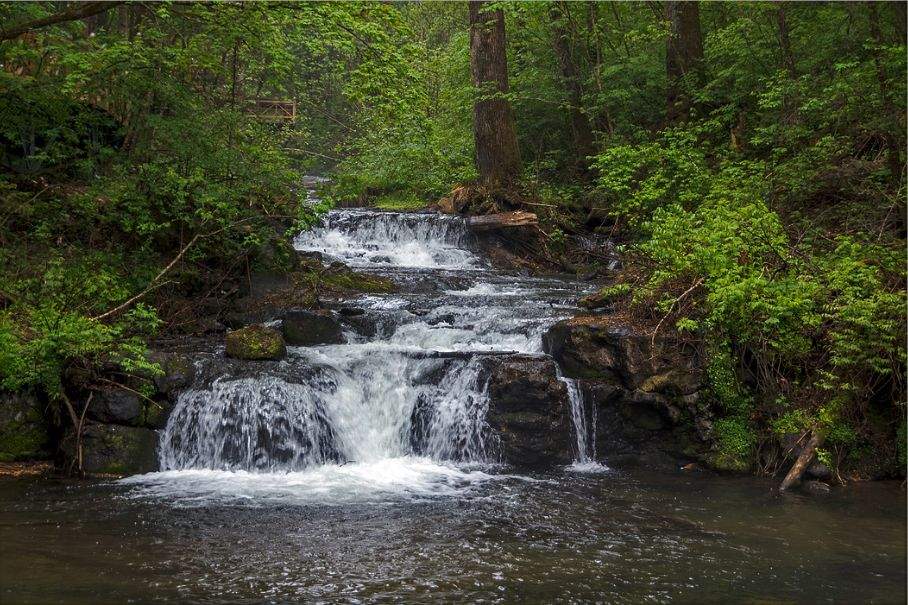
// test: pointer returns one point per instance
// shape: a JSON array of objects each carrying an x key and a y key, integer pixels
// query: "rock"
[
  {"x": 644, "y": 395},
  {"x": 116, "y": 406},
  {"x": 308, "y": 328},
  {"x": 595, "y": 347},
  {"x": 255, "y": 342},
  {"x": 178, "y": 369},
  {"x": 113, "y": 449},
  {"x": 815, "y": 488},
  {"x": 529, "y": 410},
  {"x": 23, "y": 429},
  {"x": 820, "y": 471}
]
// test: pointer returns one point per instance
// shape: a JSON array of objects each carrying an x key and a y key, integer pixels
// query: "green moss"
[
  {"x": 401, "y": 201},
  {"x": 22, "y": 441},
  {"x": 735, "y": 440},
  {"x": 255, "y": 342}
]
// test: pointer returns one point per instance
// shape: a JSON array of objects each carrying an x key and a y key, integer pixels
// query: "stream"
[{"x": 366, "y": 472}]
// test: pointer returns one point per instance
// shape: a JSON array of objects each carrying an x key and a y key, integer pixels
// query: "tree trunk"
[
  {"x": 785, "y": 42},
  {"x": 581, "y": 132},
  {"x": 894, "y": 149},
  {"x": 804, "y": 459},
  {"x": 497, "y": 154},
  {"x": 683, "y": 56}
]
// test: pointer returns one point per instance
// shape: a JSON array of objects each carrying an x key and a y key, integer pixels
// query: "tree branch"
[{"x": 79, "y": 10}]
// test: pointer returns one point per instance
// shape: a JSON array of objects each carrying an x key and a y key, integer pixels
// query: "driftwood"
[
  {"x": 804, "y": 459},
  {"x": 503, "y": 220}
]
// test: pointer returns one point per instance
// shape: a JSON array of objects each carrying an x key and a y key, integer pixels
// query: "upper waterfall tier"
[{"x": 392, "y": 239}]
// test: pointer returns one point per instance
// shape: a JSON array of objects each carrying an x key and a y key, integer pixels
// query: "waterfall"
[
  {"x": 392, "y": 239},
  {"x": 401, "y": 408},
  {"x": 359, "y": 407}
]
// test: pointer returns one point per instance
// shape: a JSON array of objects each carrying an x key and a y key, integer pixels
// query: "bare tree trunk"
[
  {"x": 683, "y": 56},
  {"x": 497, "y": 153},
  {"x": 901, "y": 16},
  {"x": 804, "y": 459},
  {"x": 785, "y": 41},
  {"x": 894, "y": 153},
  {"x": 581, "y": 132}
]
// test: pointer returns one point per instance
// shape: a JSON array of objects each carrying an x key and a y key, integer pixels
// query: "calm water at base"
[{"x": 614, "y": 537}]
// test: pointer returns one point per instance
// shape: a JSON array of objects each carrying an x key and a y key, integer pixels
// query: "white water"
[
  {"x": 391, "y": 239},
  {"x": 378, "y": 417}
]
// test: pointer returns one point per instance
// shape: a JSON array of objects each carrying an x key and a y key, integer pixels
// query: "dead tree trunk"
[
  {"x": 581, "y": 132},
  {"x": 497, "y": 154},
  {"x": 684, "y": 52},
  {"x": 804, "y": 459}
]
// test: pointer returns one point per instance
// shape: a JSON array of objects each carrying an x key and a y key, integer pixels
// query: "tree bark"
[
  {"x": 804, "y": 459},
  {"x": 581, "y": 132},
  {"x": 894, "y": 149},
  {"x": 684, "y": 52},
  {"x": 74, "y": 13},
  {"x": 503, "y": 220},
  {"x": 497, "y": 153},
  {"x": 785, "y": 41}
]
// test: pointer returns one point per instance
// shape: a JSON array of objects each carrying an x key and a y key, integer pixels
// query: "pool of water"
[{"x": 615, "y": 537}]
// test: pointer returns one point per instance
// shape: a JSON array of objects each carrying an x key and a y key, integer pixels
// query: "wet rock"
[
  {"x": 178, "y": 371},
  {"x": 529, "y": 410},
  {"x": 820, "y": 471},
  {"x": 308, "y": 328},
  {"x": 351, "y": 311},
  {"x": 116, "y": 406},
  {"x": 114, "y": 449},
  {"x": 23, "y": 429},
  {"x": 255, "y": 343},
  {"x": 595, "y": 347},
  {"x": 645, "y": 395},
  {"x": 815, "y": 488}
]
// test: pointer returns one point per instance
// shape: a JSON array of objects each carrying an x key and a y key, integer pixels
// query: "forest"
[
  {"x": 747, "y": 158},
  {"x": 461, "y": 301}
]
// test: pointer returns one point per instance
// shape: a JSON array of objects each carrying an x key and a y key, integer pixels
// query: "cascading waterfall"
[
  {"x": 359, "y": 407},
  {"x": 402, "y": 409},
  {"x": 391, "y": 239}
]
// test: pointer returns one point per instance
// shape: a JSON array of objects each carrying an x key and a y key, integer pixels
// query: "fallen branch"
[
  {"x": 503, "y": 220},
  {"x": 804, "y": 459},
  {"x": 672, "y": 308},
  {"x": 153, "y": 285},
  {"x": 79, "y": 10}
]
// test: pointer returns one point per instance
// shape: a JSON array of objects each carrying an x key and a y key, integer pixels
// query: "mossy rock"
[
  {"x": 116, "y": 450},
  {"x": 23, "y": 428},
  {"x": 256, "y": 343}
]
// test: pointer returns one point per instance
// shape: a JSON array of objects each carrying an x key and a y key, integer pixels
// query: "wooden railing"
[{"x": 272, "y": 110}]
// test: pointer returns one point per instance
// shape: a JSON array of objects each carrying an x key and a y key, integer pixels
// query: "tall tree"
[
  {"x": 683, "y": 56},
  {"x": 581, "y": 132},
  {"x": 497, "y": 154}
]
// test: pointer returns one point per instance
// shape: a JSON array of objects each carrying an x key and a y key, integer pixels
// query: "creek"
[{"x": 367, "y": 471}]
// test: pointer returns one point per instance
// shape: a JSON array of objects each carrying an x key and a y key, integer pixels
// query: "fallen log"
[
  {"x": 804, "y": 459},
  {"x": 503, "y": 220}
]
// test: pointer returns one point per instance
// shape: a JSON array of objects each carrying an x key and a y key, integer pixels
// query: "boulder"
[
  {"x": 595, "y": 347},
  {"x": 114, "y": 449},
  {"x": 178, "y": 371},
  {"x": 23, "y": 429},
  {"x": 529, "y": 410},
  {"x": 645, "y": 395},
  {"x": 116, "y": 406},
  {"x": 256, "y": 342},
  {"x": 308, "y": 328}
]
